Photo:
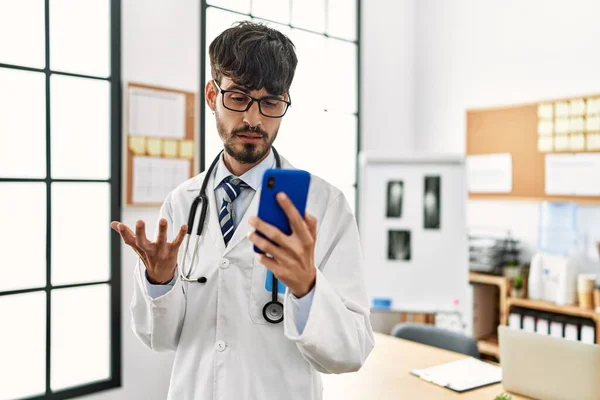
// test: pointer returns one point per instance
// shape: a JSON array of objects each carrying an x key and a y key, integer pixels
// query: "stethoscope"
[{"x": 273, "y": 310}]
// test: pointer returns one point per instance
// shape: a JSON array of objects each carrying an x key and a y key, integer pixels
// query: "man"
[{"x": 225, "y": 348}]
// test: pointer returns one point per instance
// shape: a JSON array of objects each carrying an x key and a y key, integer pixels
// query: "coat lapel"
[
  {"x": 214, "y": 228},
  {"x": 212, "y": 217}
]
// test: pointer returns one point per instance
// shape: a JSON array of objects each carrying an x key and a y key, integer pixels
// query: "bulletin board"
[
  {"x": 160, "y": 145},
  {"x": 528, "y": 133}
]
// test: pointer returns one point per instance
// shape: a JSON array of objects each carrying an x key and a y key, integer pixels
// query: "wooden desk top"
[{"x": 385, "y": 375}]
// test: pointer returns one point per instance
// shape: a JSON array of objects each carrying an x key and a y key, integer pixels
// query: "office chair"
[{"x": 437, "y": 337}]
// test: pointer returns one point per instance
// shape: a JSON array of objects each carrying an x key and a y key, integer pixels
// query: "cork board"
[
  {"x": 160, "y": 146},
  {"x": 528, "y": 133}
]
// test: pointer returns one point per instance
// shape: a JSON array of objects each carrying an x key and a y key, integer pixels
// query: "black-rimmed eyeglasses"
[{"x": 269, "y": 106}]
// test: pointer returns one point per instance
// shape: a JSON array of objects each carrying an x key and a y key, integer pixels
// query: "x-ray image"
[
  {"x": 399, "y": 245},
  {"x": 431, "y": 202},
  {"x": 395, "y": 193}
]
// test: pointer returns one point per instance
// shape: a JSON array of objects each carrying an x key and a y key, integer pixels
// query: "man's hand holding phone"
[{"x": 292, "y": 260}]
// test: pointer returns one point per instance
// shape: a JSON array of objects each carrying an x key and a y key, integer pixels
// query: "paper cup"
[
  {"x": 586, "y": 282},
  {"x": 586, "y": 300}
]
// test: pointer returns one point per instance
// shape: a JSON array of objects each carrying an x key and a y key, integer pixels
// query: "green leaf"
[{"x": 518, "y": 284}]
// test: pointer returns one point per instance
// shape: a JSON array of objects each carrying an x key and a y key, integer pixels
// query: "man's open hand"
[{"x": 159, "y": 257}]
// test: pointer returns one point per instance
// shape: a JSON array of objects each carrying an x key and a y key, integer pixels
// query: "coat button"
[
  {"x": 220, "y": 346},
  {"x": 224, "y": 263}
]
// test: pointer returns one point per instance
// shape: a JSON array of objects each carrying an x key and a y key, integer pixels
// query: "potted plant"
[
  {"x": 511, "y": 269},
  {"x": 517, "y": 287}
]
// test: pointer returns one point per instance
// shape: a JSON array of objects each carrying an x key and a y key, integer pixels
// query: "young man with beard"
[{"x": 207, "y": 305}]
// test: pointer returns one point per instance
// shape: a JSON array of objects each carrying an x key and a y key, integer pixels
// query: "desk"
[{"x": 385, "y": 375}]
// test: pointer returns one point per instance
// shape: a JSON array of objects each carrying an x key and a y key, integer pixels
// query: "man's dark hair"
[{"x": 254, "y": 56}]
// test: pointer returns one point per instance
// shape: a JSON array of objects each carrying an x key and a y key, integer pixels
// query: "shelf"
[
  {"x": 551, "y": 307},
  {"x": 503, "y": 284},
  {"x": 477, "y": 277},
  {"x": 489, "y": 346}
]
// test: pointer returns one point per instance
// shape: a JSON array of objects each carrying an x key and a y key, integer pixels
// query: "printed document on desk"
[{"x": 461, "y": 375}]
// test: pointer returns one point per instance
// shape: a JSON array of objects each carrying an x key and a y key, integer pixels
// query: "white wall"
[
  {"x": 473, "y": 53},
  {"x": 387, "y": 74},
  {"x": 160, "y": 46}
]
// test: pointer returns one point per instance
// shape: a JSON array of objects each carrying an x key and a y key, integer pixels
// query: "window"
[
  {"x": 60, "y": 120},
  {"x": 324, "y": 118}
]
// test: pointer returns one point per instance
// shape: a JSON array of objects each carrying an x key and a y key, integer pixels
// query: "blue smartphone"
[{"x": 294, "y": 183}]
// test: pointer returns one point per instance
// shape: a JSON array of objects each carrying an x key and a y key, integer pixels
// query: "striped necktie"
[{"x": 233, "y": 187}]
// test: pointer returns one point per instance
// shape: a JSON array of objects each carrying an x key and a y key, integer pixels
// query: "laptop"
[{"x": 545, "y": 367}]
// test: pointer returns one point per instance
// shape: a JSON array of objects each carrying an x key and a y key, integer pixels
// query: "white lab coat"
[{"x": 224, "y": 348}]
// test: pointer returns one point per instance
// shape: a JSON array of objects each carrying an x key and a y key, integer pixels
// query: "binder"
[
  {"x": 515, "y": 318},
  {"x": 588, "y": 331},
  {"x": 557, "y": 326},
  {"x": 572, "y": 329},
  {"x": 529, "y": 317},
  {"x": 542, "y": 325}
]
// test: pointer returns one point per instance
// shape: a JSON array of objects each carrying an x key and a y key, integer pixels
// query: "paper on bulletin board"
[
  {"x": 577, "y": 107},
  {"x": 562, "y": 109},
  {"x": 562, "y": 126},
  {"x": 577, "y": 142},
  {"x": 137, "y": 144},
  {"x": 545, "y": 144},
  {"x": 573, "y": 174},
  {"x": 155, "y": 177},
  {"x": 156, "y": 113},
  {"x": 576, "y": 124},
  {"x": 545, "y": 111},
  {"x": 593, "y": 107},
  {"x": 489, "y": 173},
  {"x": 593, "y": 142},
  {"x": 545, "y": 128},
  {"x": 592, "y": 124}
]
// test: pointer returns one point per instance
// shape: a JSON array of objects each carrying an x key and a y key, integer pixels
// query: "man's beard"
[{"x": 250, "y": 153}]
